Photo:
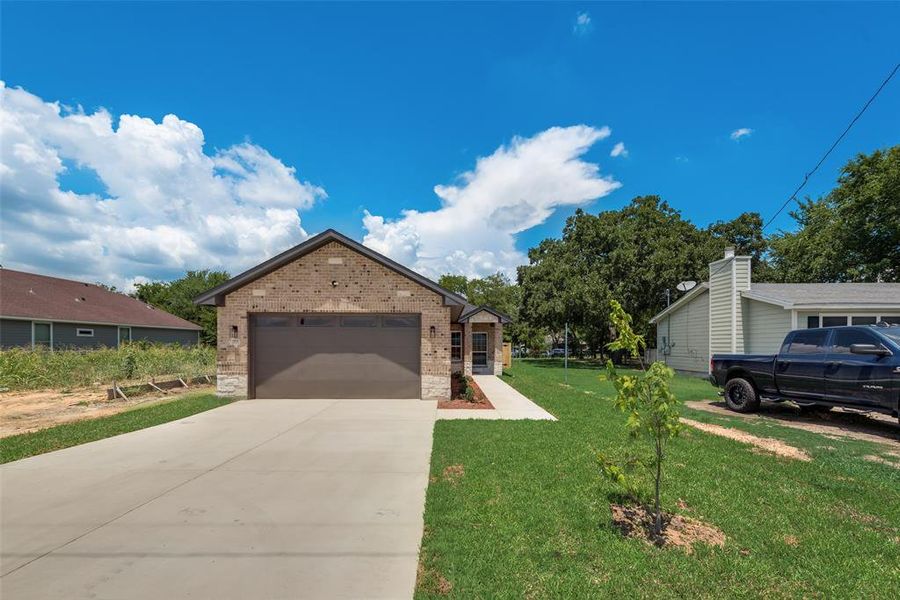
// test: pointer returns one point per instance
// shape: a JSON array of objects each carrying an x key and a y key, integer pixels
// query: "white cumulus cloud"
[
  {"x": 582, "y": 23},
  {"x": 737, "y": 134},
  {"x": 155, "y": 203},
  {"x": 517, "y": 187},
  {"x": 619, "y": 150}
]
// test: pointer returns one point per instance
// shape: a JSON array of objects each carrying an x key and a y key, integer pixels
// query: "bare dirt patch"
[
  {"x": 882, "y": 460},
  {"x": 767, "y": 445},
  {"x": 430, "y": 580},
  {"x": 458, "y": 400},
  {"x": 678, "y": 531},
  {"x": 453, "y": 473},
  {"x": 24, "y": 412},
  {"x": 834, "y": 424},
  {"x": 791, "y": 540}
]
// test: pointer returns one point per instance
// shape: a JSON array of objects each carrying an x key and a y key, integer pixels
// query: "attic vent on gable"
[{"x": 335, "y": 260}]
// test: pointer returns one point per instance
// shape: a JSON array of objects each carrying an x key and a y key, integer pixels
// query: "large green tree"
[
  {"x": 850, "y": 234},
  {"x": 177, "y": 297},
  {"x": 632, "y": 255}
]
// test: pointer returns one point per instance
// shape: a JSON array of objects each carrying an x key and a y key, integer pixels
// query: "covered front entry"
[{"x": 330, "y": 355}]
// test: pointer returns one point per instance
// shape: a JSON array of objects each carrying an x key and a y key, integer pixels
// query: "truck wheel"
[{"x": 740, "y": 396}]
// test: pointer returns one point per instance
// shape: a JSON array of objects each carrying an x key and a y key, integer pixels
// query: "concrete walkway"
[
  {"x": 258, "y": 499},
  {"x": 508, "y": 403}
]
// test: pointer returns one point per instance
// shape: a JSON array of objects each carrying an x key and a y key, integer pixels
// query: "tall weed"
[{"x": 22, "y": 369}]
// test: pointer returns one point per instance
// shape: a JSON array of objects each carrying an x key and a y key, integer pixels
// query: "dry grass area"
[
  {"x": 768, "y": 445},
  {"x": 866, "y": 427},
  {"x": 24, "y": 412}
]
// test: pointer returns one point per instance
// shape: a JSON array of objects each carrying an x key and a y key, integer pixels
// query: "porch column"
[
  {"x": 498, "y": 348},
  {"x": 467, "y": 348}
]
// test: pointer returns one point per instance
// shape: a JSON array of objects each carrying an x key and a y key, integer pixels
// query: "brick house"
[{"x": 331, "y": 318}]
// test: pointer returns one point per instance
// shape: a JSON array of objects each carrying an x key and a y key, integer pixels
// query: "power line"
[
  {"x": 821, "y": 160},
  {"x": 833, "y": 146}
]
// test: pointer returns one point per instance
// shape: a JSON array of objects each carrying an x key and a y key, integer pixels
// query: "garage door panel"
[{"x": 294, "y": 361}]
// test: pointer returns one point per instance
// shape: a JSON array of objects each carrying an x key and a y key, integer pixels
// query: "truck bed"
[{"x": 760, "y": 367}]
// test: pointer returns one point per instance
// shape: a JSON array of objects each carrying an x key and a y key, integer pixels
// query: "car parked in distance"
[
  {"x": 853, "y": 367},
  {"x": 557, "y": 353}
]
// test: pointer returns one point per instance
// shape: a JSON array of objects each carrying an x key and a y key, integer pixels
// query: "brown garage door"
[{"x": 335, "y": 355}]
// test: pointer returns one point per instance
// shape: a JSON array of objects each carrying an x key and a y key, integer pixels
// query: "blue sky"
[{"x": 374, "y": 105}]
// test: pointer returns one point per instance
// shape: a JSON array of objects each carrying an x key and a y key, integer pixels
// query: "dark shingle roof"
[{"x": 32, "y": 296}]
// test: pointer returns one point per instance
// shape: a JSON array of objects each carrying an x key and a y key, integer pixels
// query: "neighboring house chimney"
[{"x": 728, "y": 277}]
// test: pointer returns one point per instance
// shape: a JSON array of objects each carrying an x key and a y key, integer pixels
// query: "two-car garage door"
[{"x": 326, "y": 355}]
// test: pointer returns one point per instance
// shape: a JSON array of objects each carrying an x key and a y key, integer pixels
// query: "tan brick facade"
[{"x": 362, "y": 285}]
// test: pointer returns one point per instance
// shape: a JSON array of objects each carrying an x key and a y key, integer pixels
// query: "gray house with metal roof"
[{"x": 731, "y": 314}]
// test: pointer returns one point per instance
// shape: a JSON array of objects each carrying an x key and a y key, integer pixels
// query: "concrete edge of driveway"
[{"x": 509, "y": 404}]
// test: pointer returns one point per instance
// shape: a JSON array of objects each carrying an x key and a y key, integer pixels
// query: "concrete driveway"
[{"x": 258, "y": 499}]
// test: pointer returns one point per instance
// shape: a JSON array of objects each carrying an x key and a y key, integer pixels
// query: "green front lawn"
[
  {"x": 89, "y": 430},
  {"x": 529, "y": 515}
]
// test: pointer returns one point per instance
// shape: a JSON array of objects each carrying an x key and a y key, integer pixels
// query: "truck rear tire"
[{"x": 741, "y": 396}]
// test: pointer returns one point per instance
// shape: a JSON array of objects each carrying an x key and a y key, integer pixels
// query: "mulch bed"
[{"x": 457, "y": 400}]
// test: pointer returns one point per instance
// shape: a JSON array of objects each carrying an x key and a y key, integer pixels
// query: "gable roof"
[
  {"x": 471, "y": 310},
  {"x": 838, "y": 296},
  {"x": 697, "y": 290},
  {"x": 32, "y": 296},
  {"x": 216, "y": 294},
  {"x": 826, "y": 295}
]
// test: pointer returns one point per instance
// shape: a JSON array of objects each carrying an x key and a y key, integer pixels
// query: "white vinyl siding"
[
  {"x": 741, "y": 283},
  {"x": 686, "y": 333},
  {"x": 720, "y": 295},
  {"x": 765, "y": 326}
]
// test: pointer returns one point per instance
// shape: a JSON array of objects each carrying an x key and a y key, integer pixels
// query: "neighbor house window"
[
  {"x": 864, "y": 320},
  {"x": 456, "y": 345},
  {"x": 812, "y": 322},
  {"x": 893, "y": 320},
  {"x": 84, "y": 332},
  {"x": 42, "y": 335},
  {"x": 834, "y": 321}
]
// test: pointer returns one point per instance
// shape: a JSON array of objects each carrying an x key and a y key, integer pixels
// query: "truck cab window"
[
  {"x": 843, "y": 338},
  {"x": 808, "y": 342}
]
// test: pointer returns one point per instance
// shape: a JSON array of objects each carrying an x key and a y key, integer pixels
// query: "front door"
[
  {"x": 800, "y": 367},
  {"x": 480, "y": 352},
  {"x": 124, "y": 335},
  {"x": 859, "y": 379}
]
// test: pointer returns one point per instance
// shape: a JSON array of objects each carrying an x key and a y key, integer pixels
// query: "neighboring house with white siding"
[{"x": 731, "y": 314}]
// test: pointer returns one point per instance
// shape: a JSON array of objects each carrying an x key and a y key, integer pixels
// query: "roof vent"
[{"x": 729, "y": 252}]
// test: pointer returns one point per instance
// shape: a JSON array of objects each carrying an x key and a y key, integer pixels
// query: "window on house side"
[
  {"x": 84, "y": 332},
  {"x": 456, "y": 345}
]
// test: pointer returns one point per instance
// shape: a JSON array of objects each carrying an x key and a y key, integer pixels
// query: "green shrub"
[{"x": 41, "y": 368}]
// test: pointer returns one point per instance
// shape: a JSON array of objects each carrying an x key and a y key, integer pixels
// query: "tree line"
[{"x": 635, "y": 254}]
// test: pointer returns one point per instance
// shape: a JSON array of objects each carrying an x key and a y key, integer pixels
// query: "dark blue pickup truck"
[{"x": 853, "y": 367}]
